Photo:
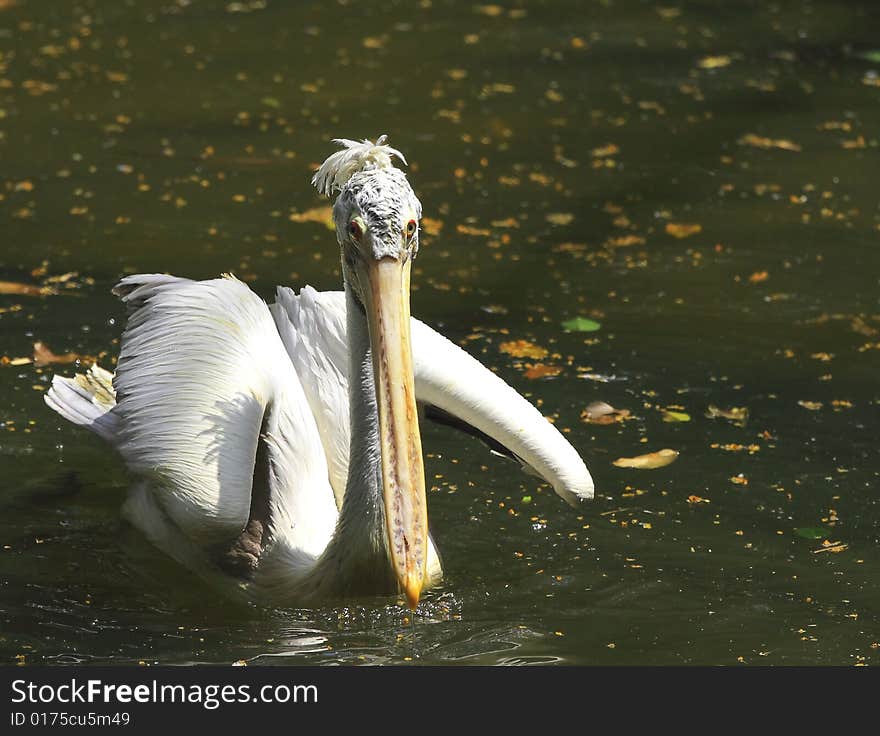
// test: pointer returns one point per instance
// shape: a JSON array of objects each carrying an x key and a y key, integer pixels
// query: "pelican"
[{"x": 276, "y": 448}]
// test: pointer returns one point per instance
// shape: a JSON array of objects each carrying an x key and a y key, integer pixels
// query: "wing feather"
[{"x": 200, "y": 365}]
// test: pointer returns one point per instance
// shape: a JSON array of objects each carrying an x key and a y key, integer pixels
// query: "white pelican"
[{"x": 277, "y": 447}]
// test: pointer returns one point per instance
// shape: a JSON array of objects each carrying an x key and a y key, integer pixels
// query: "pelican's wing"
[
  {"x": 201, "y": 374},
  {"x": 312, "y": 326},
  {"x": 453, "y": 381}
]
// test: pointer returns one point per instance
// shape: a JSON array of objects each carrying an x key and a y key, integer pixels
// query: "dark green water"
[{"x": 554, "y": 142}]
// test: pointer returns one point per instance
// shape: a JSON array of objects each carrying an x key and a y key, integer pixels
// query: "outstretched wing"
[
  {"x": 454, "y": 387},
  {"x": 201, "y": 373}
]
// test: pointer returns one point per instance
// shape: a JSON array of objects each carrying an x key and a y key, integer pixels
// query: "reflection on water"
[{"x": 696, "y": 178}]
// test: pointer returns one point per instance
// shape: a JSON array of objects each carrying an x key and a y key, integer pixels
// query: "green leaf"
[
  {"x": 581, "y": 324},
  {"x": 271, "y": 102},
  {"x": 873, "y": 55},
  {"x": 811, "y": 532},
  {"x": 676, "y": 416},
  {"x": 526, "y": 499}
]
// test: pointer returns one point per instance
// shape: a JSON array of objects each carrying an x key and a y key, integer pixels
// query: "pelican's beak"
[{"x": 386, "y": 301}]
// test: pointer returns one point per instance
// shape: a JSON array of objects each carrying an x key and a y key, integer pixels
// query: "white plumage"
[
  {"x": 355, "y": 156},
  {"x": 251, "y": 431}
]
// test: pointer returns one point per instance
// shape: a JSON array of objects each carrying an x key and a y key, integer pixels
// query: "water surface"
[{"x": 559, "y": 149}]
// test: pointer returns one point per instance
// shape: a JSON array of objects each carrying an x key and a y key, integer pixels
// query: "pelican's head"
[{"x": 377, "y": 224}]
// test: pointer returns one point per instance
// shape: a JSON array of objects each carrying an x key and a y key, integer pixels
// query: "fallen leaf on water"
[
  {"x": 601, "y": 413},
  {"x": 758, "y": 277},
  {"x": 811, "y": 532},
  {"x": 13, "y": 287},
  {"x": 740, "y": 480},
  {"x": 811, "y": 405},
  {"x": 624, "y": 241},
  {"x": 374, "y": 42},
  {"x": 676, "y": 416},
  {"x": 559, "y": 218},
  {"x": 431, "y": 226},
  {"x": 322, "y": 215},
  {"x": 44, "y": 356},
  {"x": 652, "y": 460},
  {"x": 14, "y": 361},
  {"x": 734, "y": 413},
  {"x": 833, "y": 547},
  {"x": 470, "y": 230},
  {"x": 493, "y": 11},
  {"x": 757, "y": 141},
  {"x": 713, "y": 62},
  {"x": 682, "y": 229},
  {"x": 523, "y": 349},
  {"x": 604, "y": 151},
  {"x": 873, "y": 56},
  {"x": 541, "y": 370},
  {"x": 697, "y": 499},
  {"x": 581, "y": 324}
]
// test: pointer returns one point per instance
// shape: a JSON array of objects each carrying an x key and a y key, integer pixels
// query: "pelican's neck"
[{"x": 356, "y": 559}]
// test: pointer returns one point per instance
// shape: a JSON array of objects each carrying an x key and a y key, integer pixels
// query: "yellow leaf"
[
  {"x": 13, "y": 287},
  {"x": 713, "y": 62},
  {"x": 541, "y": 370},
  {"x": 652, "y": 460},
  {"x": 604, "y": 151},
  {"x": 811, "y": 405},
  {"x": 322, "y": 215},
  {"x": 757, "y": 141},
  {"x": 683, "y": 229},
  {"x": 523, "y": 349},
  {"x": 559, "y": 218}
]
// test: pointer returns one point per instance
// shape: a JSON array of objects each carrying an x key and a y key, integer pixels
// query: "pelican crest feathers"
[{"x": 355, "y": 156}]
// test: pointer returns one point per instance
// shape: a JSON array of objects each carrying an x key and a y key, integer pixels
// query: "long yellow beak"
[{"x": 386, "y": 298}]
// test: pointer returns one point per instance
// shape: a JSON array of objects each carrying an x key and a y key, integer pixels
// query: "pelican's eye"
[
  {"x": 411, "y": 228},
  {"x": 355, "y": 230}
]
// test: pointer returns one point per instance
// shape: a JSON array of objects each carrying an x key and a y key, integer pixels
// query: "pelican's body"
[{"x": 264, "y": 451}]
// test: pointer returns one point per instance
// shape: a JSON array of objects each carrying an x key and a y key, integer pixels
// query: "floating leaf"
[
  {"x": 526, "y": 499},
  {"x": 601, "y": 413},
  {"x": 833, "y": 547},
  {"x": 523, "y": 349},
  {"x": 692, "y": 499},
  {"x": 676, "y": 416},
  {"x": 735, "y": 413},
  {"x": 683, "y": 229},
  {"x": 713, "y": 62},
  {"x": 581, "y": 324},
  {"x": 430, "y": 226},
  {"x": 872, "y": 56},
  {"x": 13, "y": 287},
  {"x": 758, "y": 277},
  {"x": 541, "y": 370},
  {"x": 811, "y": 405},
  {"x": 559, "y": 218},
  {"x": 757, "y": 141},
  {"x": 604, "y": 151},
  {"x": 44, "y": 356},
  {"x": 810, "y": 532},
  {"x": 652, "y": 460},
  {"x": 4, "y": 360},
  {"x": 322, "y": 215}
]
